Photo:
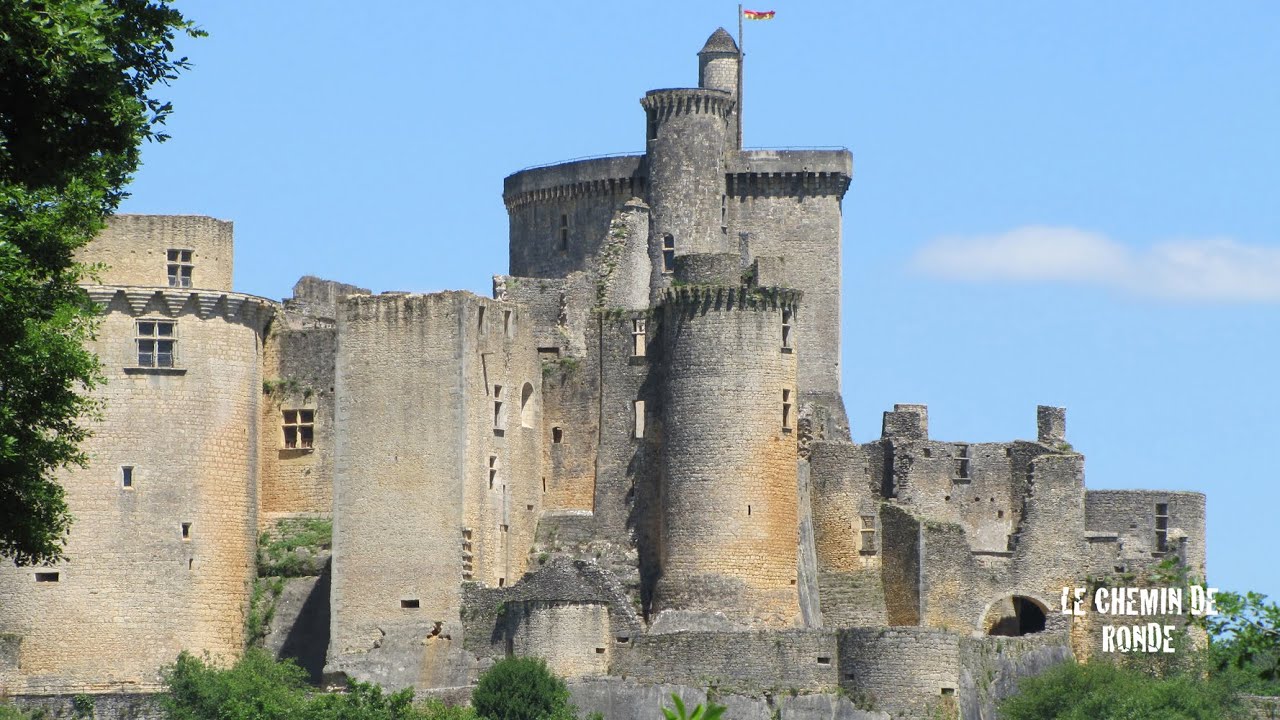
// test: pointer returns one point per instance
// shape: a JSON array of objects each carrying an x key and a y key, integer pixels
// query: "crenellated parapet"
[
  {"x": 664, "y": 104},
  {"x": 249, "y": 310},
  {"x": 715, "y": 297}
]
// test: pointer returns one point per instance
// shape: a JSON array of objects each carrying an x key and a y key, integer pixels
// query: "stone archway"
[{"x": 1014, "y": 616}]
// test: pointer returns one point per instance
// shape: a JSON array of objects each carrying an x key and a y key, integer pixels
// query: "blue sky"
[{"x": 1057, "y": 203}]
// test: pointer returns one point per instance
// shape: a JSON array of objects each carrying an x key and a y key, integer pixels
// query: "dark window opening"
[
  {"x": 557, "y": 435},
  {"x": 786, "y": 410},
  {"x": 948, "y": 691},
  {"x": 599, "y": 651},
  {"x": 506, "y": 323},
  {"x": 180, "y": 268},
  {"x": 639, "y": 333},
  {"x": 1162, "y": 527},
  {"x": 299, "y": 429},
  {"x": 824, "y": 661},
  {"x": 186, "y": 531},
  {"x": 156, "y": 342},
  {"x": 724, "y": 214},
  {"x": 748, "y": 511},
  {"x": 786, "y": 331},
  {"x": 480, "y": 319},
  {"x": 653, "y": 126},
  {"x": 668, "y": 253},
  {"x": 410, "y": 604},
  {"x": 493, "y": 470},
  {"x": 564, "y": 232},
  {"x": 502, "y": 581},
  {"x": 126, "y": 476},
  {"x": 624, "y": 640},
  {"x": 47, "y": 577},
  {"x": 962, "y": 464}
]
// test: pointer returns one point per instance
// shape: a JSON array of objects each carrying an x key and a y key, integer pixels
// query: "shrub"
[
  {"x": 520, "y": 688},
  {"x": 1103, "y": 691},
  {"x": 711, "y": 712}
]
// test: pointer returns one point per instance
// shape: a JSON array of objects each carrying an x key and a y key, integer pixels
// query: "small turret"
[{"x": 719, "y": 62}]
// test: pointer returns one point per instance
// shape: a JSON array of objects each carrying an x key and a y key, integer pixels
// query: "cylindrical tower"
[
  {"x": 161, "y": 555},
  {"x": 729, "y": 493},
  {"x": 719, "y": 63},
  {"x": 687, "y": 135}
]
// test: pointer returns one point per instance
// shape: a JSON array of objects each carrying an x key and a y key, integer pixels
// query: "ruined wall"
[
  {"x": 164, "y": 563},
  {"x": 729, "y": 463},
  {"x": 135, "y": 250},
  {"x": 436, "y": 479},
  {"x": 847, "y": 533},
  {"x": 573, "y": 638},
  {"x": 900, "y": 670},
  {"x": 990, "y": 668},
  {"x": 1132, "y": 516},
  {"x": 750, "y": 663},
  {"x": 560, "y": 214}
]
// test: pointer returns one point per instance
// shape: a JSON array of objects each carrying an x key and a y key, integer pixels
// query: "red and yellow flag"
[{"x": 758, "y": 14}]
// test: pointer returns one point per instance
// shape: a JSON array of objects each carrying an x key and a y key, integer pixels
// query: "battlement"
[
  {"x": 719, "y": 297},
  {"x": 589, "y": 177},
  {"x": 140, "y": 301},
  {"x": 688, "y": 101}
]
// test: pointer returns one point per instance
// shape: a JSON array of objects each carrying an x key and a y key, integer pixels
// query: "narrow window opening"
[
  {"x": 493, "y": 470},
  {"x": 564, "y": 232},
  {"x": 502, "y": 581},
  {"x": 623, "y": 640},
  {"x": 480, "y": 319},
  {"x": 639, "y": 333},
  {"x": 748, "y": 511},
  {"x": 412, "y": 604},
  {"x": 191, "y": 564},
  {"x": 652, "y": 126},
  {"x": 506, "y": 323},
  {"x": 599, "y": 651},
  {"x": 497, "y": 411},
  {"x": 999, "y": 513},
  {"x": 544, "y": 484},
  {"x": 724, "y": 214},
  {"x": 868, "y": 533},
  {"x": 824, "y": 661},
  {"x": 1008, "y": 452},
  {"x": 503, "y": 527},
  {"x": 180, "y": 268},
  {"x": 639, "y": 419},
  {"x": 668, "y": 253},
  {"x": 786, "y": 411},
  {"x": 47, "y": 577},
  {"x": 928, "y": 453},
  {"x": 186, "y": 531},
  {"x": 528, "y": 507},
  {"x": 1162, "y": 527},
  {"x": 126, "y": 476},
  {"x": 557, "y": 435},
  {"x": 157, "y": 343},
  {"x": 786, "y": 331},
  {"x": 526, "y": 405},
  {"x": 946, "y": 691},
  {"x": 962, "y": 464}
]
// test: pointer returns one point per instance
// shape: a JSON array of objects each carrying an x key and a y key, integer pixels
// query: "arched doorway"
[{"x": 1014, "y": 616}]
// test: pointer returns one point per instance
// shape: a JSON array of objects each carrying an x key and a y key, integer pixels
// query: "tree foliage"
[
  {"x": 712, "y": 711},
  {"x": 75, "y": 105},
  {"x": 1104, "y": 691},
  {"x": 1244, "y": 642},
  {"x": 521, "y": 688}
]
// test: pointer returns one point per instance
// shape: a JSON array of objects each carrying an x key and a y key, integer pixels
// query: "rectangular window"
[
  {"x": 506, "y": 323},
  {"x": 1162, "y": 527},
  {"x": 786, "y": 410},
  {"x": 724, "y": 214},
  {"x": 299, "y": 429},
  {"x": 668, "y": 254},
  {"x": 557, "y": 435},
  {"x": 868, "y": 534},
  {"x": 493, "y": 470},
  {"x": 564, "y": 232},
  {"x": 157, "y": 343},
  {"x": 480, "y": 319},
  {"x": 47, "y": 577},
  {"x": 786, "y": 331},
  {"x": 126, "y": 476},
  {"x": 413, "y": 604},
  {"x": 639, "y": 332},
  {"x": 962, "y": 464},
  {"x": 180, "y": 268},
  {"x": 639, "y": 419},
  {"x": 497, "y": 411},
  {"x": 186, "y": 531}
]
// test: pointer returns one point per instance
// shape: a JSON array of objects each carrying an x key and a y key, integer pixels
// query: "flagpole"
[{"x": 741, "y": 68}]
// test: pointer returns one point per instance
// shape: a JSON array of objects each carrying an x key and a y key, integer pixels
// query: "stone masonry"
[{"x": 632, "y": 461}]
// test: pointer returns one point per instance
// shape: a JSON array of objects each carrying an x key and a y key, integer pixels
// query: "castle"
[{"x": 632, "y": 461}]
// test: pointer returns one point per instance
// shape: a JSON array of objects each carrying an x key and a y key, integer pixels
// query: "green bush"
[
  {"x": 260, "y": 688},
  {"x": 711, "y": 712},
  {"x": 520, "y": 688},
  {"x": 1103, "y": 691}
]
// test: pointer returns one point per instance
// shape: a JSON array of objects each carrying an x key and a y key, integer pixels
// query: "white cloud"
[{"x": 1217, "y": 269}]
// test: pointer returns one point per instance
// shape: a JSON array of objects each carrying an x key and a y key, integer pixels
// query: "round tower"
[
  {"x": 729, "y": 497},
  {"x": 719, "y": 63},
  {"x": 687, "y": 135},
  {"x": 161, "y": 555}
]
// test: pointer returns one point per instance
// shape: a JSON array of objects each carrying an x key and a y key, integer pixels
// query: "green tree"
[
  {"x": 75, "y": 105},
  {"x": 1244, "y": 642},
  {"x": 1104, "y": 691},
  {"x": 521, "y": 688}
]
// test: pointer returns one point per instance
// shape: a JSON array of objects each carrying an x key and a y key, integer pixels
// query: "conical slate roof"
[{"x": 719, "y": 42}]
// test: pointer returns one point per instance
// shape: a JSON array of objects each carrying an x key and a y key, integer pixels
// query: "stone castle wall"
[{"x": 163, "y": 564}]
